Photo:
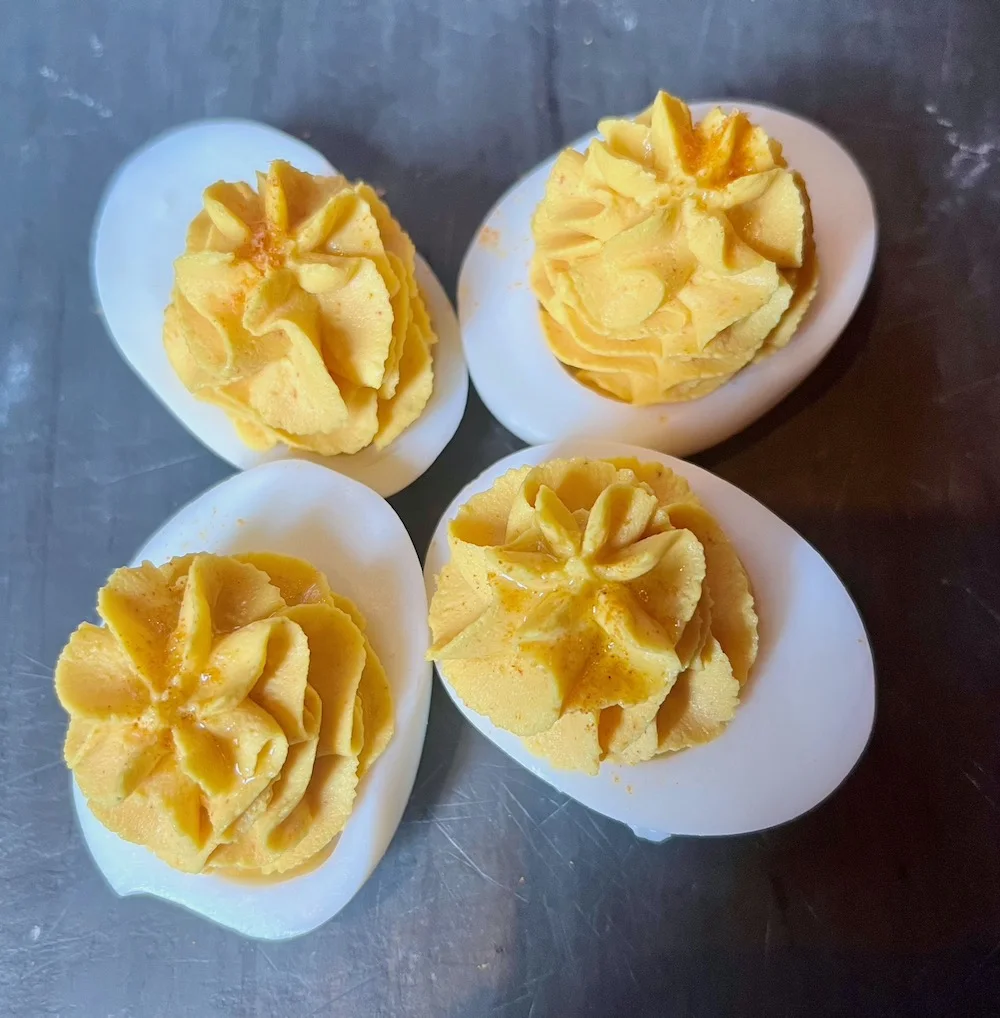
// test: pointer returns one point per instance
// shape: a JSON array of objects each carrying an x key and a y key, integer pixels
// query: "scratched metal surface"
[{"x": 498, "y": 896}]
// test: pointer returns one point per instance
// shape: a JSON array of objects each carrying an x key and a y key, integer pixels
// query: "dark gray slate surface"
[{"x": 497, "y": 896}]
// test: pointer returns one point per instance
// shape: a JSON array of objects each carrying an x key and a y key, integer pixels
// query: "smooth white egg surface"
[
  {"x": 140, "y": 230},
  {"x": 805, "y": 714},
  {"x": 353, "y": 535},
  {"x": 530, "y": 392}
]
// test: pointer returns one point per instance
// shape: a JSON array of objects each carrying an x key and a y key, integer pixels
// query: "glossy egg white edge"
[
  {"x": 139, "y": 231},
  {"x": 530, "y": 392},
  {"x": 805, "y": 714},
  {"x": 353, "y": 535}
]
